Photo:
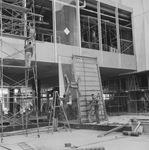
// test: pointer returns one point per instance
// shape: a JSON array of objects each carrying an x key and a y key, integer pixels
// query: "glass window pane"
[
  {"x": 108, "y": 28},
  {"x": 89, "y": 28},
  {"x": 44, "y": 25},
  {"x": 72, "y": 2},
  {"x": 66, "y": 25},
  {"x": 125, "y": 27}
]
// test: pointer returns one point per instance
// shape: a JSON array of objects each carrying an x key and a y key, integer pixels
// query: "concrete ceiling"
[
  {"x": 112, "y": 72},
  {"x": 48, "y": 72},
  {"x": 15, "y": 71}
]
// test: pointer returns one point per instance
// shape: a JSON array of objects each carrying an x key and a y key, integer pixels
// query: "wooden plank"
[
  {"x": 113, "y": 130},
  {"x": 89, "y": 88},
  {"x": 23, "y": 20},
  {"x": 85, "y": 87},
  {"x": 88, "y": 79},
  {"x": 86, "y": 70},
  {"x": 85, "y": 60},
  {"x": 14, "y": 7},
  {"x": 11, "y": 66},
  {"x": 89, "y": 92},
  {"x": 83, "y": 113},
  {"x": 85, "y": 98},
  {"x": 83, "y": 108},
  {"x": 84, "y": 118},
  {"x": 91, "y": 67},
  {"x": 88, "y": 83},
  {"x": 12, "y": 18},
  {"x": 83, "y": 104},
  {"x": 86, "y": 65},
  {"x": 88, "y": 74}
]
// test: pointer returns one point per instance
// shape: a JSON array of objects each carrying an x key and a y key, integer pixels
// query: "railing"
[{"x": 90, "y": 45}]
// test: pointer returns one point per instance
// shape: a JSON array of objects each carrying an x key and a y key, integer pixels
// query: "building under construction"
[{"x": 81, "y": 47}]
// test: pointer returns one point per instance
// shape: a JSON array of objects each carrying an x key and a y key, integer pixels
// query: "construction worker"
[
  {"x": 18, "y": 102},
  {"x": 93, "y": 108},
  {"x": 28, "y": 54},
  {"x": 32, "y": 32},
  {"x": 96, "y": 107},
  {"x": 56, "y": 102}
]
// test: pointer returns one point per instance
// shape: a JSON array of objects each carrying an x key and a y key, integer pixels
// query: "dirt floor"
[{"x": 78, "y": 138}]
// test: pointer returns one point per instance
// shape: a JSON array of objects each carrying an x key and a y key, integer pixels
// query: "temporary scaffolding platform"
[
  {"x": 19, "y": 91},
  {"x": 128, "y": 93}
]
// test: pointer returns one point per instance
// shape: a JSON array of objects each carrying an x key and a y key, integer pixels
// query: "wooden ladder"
[
  {"x": 25, "y": 146},
  {"x": 57, "y": 99}
]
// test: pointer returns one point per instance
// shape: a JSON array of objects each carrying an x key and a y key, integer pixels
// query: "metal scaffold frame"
[
  {"x": 89, "y": 32},
  {"x": 128, "y": 94},
  {"x": 22, "y": 102}
]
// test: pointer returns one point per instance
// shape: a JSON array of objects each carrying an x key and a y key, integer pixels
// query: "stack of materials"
[{"x": 136, "y": 130}]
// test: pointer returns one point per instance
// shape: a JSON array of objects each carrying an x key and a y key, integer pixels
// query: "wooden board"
[
  {"x": 14, "y": 7},
  {"x": 87, "y": 71}
]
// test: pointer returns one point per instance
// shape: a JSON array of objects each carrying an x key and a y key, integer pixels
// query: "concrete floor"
[{"x": 80, "y": 138}]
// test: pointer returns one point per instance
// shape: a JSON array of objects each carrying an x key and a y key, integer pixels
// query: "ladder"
[
  {"x": 25, "y": 146},
  {"x": 56, "y": 107},
  {"x": 87, "y": 70},
  {"x": 31, "y": 72},
  {"x": 19, "y": 81}
]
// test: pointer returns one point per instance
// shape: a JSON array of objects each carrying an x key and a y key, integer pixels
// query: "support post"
[
  {"x": 79, "y": 27},
  {"x": 25, "y": 18},
  {"x": 117, "y": 30}
]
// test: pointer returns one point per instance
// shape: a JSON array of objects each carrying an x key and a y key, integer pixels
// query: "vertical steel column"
[
  {"x": 117, "y": 30},
  {"x": 25, "y": 18},
  {"x": 1, "y": 70},
  {"x": 35, "y": 75},
  {"x": 78, "y": 26},
  {"x": 26, "y": 70},
  {"x": 99, "y": 26},
  {"x": 100, "y": 31},
  {"x": 54, "y": 29}
]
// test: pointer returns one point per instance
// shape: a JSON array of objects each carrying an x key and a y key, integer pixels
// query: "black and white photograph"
[{"x": 74, "y": 75}]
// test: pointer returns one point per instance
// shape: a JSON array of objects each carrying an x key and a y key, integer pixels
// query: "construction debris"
[
  {"x": 138, "y": 130},
  {"x": 113, "y": 130},
  {"x": 91, "y": 148}
]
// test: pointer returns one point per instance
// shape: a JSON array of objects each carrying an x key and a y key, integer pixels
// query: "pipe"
[
  {"x": 84, "y": 4},
  {"x": 94, "y": 6}
]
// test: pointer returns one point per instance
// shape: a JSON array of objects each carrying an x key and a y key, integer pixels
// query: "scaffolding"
[
  {"x": 19, "y": 91},
  {"x": 113, "y": 25},
  {"x": 89, "y": 33},
  {"x": 128, "y": 93}
]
